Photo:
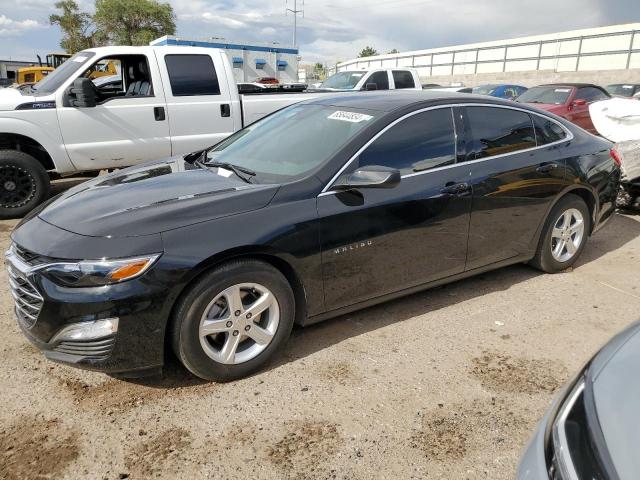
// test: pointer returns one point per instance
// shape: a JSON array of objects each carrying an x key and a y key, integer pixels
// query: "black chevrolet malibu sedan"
[{"x": 322, "y": 208}]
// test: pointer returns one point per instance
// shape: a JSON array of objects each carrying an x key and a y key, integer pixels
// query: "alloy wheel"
[
  {"x": 567, "y": 235},
  {"x": 239, "y": 323},
  {"x": 17, "y": 186}
]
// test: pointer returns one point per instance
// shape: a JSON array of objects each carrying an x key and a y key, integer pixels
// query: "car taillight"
[{"x": 616, "y": 157}]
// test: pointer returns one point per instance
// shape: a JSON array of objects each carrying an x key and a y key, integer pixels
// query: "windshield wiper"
[{"x": 241, "y": 172}]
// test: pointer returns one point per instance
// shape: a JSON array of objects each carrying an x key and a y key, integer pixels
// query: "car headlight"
[{"x": 93, "y": 273}]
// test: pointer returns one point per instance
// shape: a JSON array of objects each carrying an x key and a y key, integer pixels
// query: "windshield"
[
  {"x": 550, "y": 95},
  {"x": 291, "y": 142},
  {"x": 343, "y": 80},
  {"x": 52, "y": 82},
  {"x": 622, "y": 90},
  {"x": 484, "y": 89}
]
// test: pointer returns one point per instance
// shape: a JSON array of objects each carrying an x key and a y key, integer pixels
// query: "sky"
[{"x": 336, "y": 30}]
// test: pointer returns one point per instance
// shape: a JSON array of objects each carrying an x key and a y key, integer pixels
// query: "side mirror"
[
  {"x": 83, "y": 93},
  {"x": 579, "y": 102},
  {"x": 371, "y": 86},
  {"x": 371, "y": 176}
]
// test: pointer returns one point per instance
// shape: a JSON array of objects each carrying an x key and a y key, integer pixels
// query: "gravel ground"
[{"x": 448, "y": 383}]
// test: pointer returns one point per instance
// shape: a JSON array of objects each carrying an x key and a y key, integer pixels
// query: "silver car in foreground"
[{"x": 592, "y": 430}]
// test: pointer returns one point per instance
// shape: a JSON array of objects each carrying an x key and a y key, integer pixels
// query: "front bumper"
[
  {"x": 533, "y": 465},
  {"x": 136, "y": 313}
]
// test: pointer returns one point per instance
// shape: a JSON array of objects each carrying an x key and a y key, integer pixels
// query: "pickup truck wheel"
[
  {"x": 230, "y": 323},
  {"x": 24, "y": 183}
]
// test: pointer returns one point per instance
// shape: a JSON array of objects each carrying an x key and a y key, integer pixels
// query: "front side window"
[
  {"x": 314, "y": 133},
  {"x": 403, "y": 79},
  {"x": 191, "y": 75},
  {"x": 379, "y": 79},
  {"x": 497, "y": 131},
  {"x": 421, "y": 142}
]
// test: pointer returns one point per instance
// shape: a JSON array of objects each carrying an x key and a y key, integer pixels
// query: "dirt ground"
[{"x": 448, "y": 383}]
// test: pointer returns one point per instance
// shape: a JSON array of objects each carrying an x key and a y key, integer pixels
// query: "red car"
[
  {"x": 267, "y": 81},
  {"x": 568, "y": 100}
]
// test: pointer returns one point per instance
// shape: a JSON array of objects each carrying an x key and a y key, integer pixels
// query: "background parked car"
[
  {"x": 591, "y": 430},
  {"x": 624, "y": 89},
  {"x": 452, "y": 89},
  {"x": 267, "y": 81},
  {"x": 568, "y": 100},
  {"x": 510, "y": 92},
  {"x": 373, "y": 79}
]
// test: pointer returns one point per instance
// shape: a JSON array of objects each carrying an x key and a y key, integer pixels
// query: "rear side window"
[
  {"x": 381, "y": 79},
  {"x": 421, "y": 142},
  {"x": 547, "y": 131},
  {"x": 591, "y": 94},
  {"x": 403, "y": 79},
  {"x": 192, "y": 75},
  {"x": 497, "y": 131}
]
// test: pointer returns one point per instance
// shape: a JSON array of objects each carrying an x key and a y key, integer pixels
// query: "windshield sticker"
[
  {"x": 80, "y": 59},
  {"x": 352, "y": 117},
  {"x": 627, "y": 86},
  {"x": 357, "y": 75},
  {"x": 223, "y": 172},
  {"x": 562, "y": 90}
]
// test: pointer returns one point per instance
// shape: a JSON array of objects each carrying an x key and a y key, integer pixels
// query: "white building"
[
  {"x": 249, "y": 61},
  {"x": 573, "y": 54}
]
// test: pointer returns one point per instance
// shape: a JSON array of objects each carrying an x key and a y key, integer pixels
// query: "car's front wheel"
[
  {"x": 564, "y": 236},
  {"x": 233, "y": 319}
]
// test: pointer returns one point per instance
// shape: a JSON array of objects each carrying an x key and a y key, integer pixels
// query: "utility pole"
[{"x": 295, "y": 12}]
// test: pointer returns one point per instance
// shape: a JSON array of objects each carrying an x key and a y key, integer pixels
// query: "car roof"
[
  {"x": 569, "y": 84},
  {"x": 388, "y": 101}
]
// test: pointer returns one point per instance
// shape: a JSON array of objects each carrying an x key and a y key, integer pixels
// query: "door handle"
[
  {"x": 158, "y": 113},
  {"x": 547, "y": 167},
  {"x": 459, "y": 189},
  {"x": 225, "y": 110}
]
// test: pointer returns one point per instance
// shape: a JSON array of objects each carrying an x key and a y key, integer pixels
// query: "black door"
[
  {"x": 378, "y": 241},
  {"x": 516, "y": 172}
]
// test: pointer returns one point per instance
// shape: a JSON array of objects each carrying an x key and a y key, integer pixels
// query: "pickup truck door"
[
  {"x": 202, "y": 108},
  {"x": 126, "y": 126}
]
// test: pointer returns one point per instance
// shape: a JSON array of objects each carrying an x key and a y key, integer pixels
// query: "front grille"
[
  {"x": 95, "y": 349},
  {"x": 28, "y": 301},
  {"x": 29, "y": 257}
]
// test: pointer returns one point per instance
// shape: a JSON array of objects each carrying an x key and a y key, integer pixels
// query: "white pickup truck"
[
  {"x": 372, "y": 79},
  {"x": 163, "y": 101}
]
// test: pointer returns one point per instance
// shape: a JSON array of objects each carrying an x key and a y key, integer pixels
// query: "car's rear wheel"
[
  {"x": 233, "y": 319},
  {"x": 24, "y": 183},
  {"x": 565, "y": 235}
]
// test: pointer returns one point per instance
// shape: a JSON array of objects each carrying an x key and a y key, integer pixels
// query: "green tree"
[
  {"x": 133, "y": 22},
  {"x": 368, "y": 52},
  {"x": 395, "y": 50},
  {"x": 77, "y": 27}
]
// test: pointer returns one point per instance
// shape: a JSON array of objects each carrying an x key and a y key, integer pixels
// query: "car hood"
[
  {"x": 153, "y": 198},
  {"x": 616, "y": 392},
  {"x": 10, "y": 98}
]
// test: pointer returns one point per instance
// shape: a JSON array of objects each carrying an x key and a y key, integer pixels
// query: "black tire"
[
  {"x": 544, "y": 259},
  {"x": 24, "y": 183},
  {"x": 190, "y": 308}
]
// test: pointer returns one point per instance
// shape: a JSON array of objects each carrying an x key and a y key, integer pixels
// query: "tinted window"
[
  {"x": 403, "y": 79},
  {"x": 547, "y": 131},
  {"x": 192, "y": 75},
  {"x": 381, "y": 79},
  {"x": 421, "y": 142},
  {"x": 499, "y": 130},
  {"x": 591, "y": 94}
]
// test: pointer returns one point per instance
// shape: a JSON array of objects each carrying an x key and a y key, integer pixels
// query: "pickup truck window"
[
  {"x": 421, "y": 142},
  {"x": 192, "y": 75},
  {"x": 381, "y": 79},
  {"x": 343, "y": 80},
  {"x": 55, "y": 79},
  {"x": 403, "y": 79},
  {"x": 312, "y": 135}
]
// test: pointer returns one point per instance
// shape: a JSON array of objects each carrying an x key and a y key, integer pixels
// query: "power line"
[{"x": 295, "y": 12}]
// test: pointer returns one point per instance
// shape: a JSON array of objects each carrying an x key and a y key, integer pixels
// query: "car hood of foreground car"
[
  {"x": 616, "y": 392},
  {"x": 153, "y": 198}
]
